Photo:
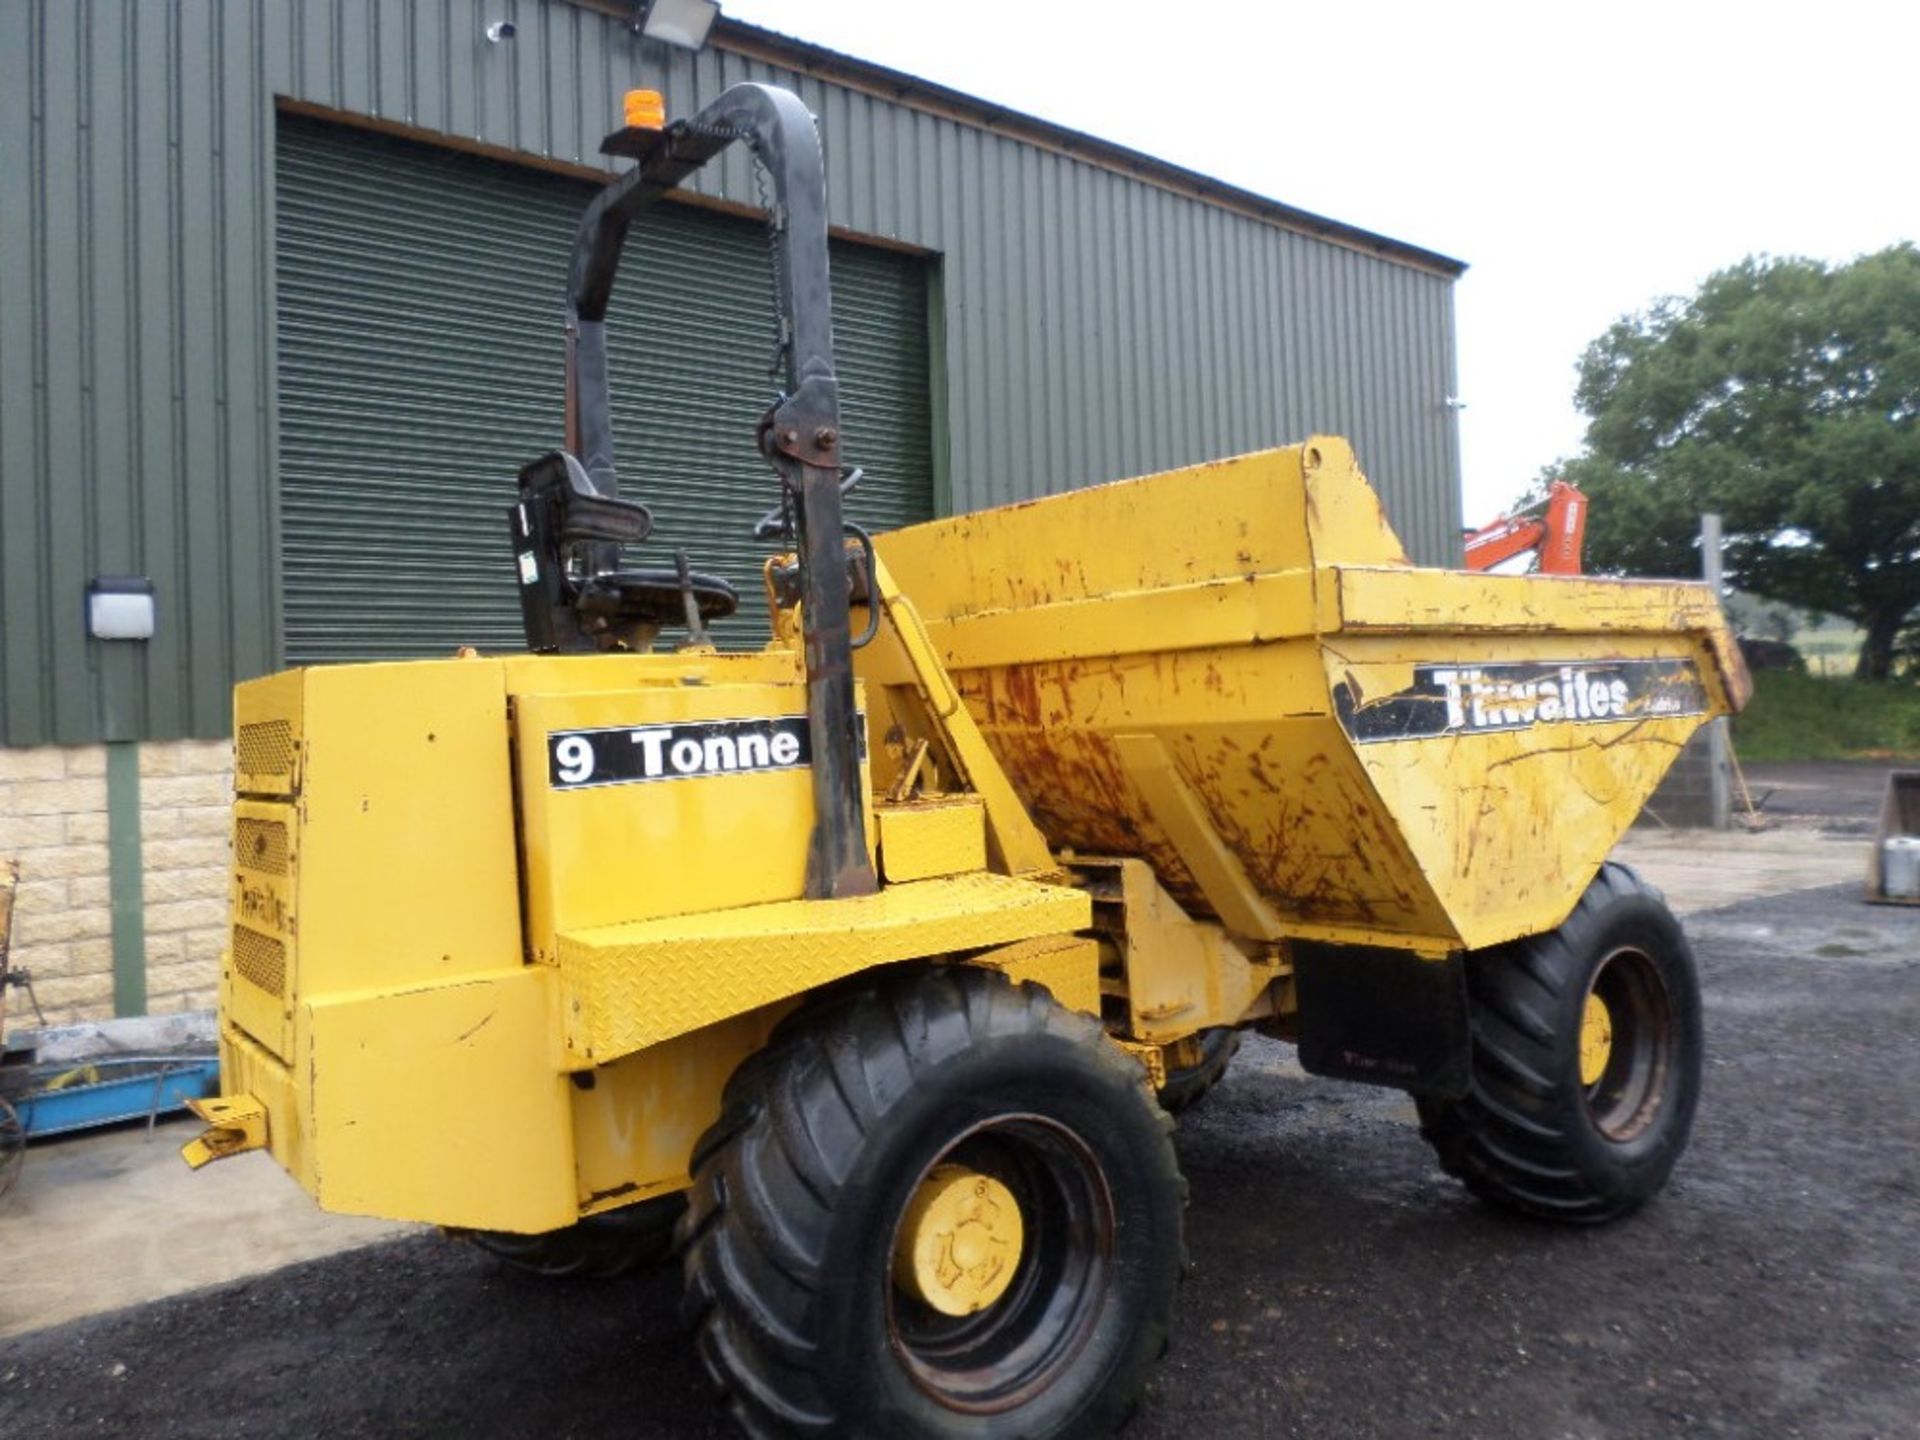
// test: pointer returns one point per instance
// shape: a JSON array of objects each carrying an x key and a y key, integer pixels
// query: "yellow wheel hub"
[
  {"x": 959, "y": 1242},
  {"x": 1596, "y": 1040}
]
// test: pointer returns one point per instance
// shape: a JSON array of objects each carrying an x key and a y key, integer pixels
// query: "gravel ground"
[{"x": 1341, "y": 1286}]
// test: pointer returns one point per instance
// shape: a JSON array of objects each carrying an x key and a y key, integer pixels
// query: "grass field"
[{"x": 1804, "y": 717}]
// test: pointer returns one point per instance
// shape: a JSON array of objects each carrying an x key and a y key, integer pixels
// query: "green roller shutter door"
[{"x": 420, "y": 293}]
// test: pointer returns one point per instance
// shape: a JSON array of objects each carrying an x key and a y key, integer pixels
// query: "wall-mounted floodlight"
[
  {"x": 501, "y": 30},
  {"x": 676, "y": 22},
  {"x": 120, "y": 607}
]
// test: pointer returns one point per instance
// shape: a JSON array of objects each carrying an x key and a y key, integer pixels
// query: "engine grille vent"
[
  {"x": 264, "y": 747},
  {"x": 260, "y": 960},
  {"x": 261, "y": 845}
]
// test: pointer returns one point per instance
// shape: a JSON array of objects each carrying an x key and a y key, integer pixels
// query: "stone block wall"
[
  {"x": 53, "y": 820},
  {"x": 186, "y": 816}
]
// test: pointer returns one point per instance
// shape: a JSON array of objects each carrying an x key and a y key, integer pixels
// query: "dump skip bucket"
[{"x": 1234, "y": 672}]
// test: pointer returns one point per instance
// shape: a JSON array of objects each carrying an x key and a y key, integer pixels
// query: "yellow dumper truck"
[{"x": 861, "y": 972}]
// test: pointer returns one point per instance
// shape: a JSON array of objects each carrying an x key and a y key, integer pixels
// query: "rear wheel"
[
  {"x": 942, "y": 1206},
  {"x": 1586, "y": 1061},
  {"x": 1207, "y": 1056},
  {"x": 599, "y": 1247}
]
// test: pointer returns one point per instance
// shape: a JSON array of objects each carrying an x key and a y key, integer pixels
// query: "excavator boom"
[{"x": 1557, "y": 532}]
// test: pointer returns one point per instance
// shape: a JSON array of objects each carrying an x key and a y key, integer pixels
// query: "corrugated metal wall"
[
  {"x": 1096, "y": 325},
  {"x": 419, "y": 370}
]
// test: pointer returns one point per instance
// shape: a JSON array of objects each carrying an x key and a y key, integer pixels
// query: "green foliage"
[
  {"x": 1785, "y": 395},
  {"x": 1803, "y": 717},
  {"x": 1635, "y": 524}
]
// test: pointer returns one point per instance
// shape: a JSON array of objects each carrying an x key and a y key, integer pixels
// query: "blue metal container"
[{"x": 109, "y": 1090}]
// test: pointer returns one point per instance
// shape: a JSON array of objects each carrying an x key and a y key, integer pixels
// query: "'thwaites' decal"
[{"x": 1470, "y": 698}]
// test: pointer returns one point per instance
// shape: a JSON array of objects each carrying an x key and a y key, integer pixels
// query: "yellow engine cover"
[
  {"x": 669, "y": 800},
  {"x": 458, "y": 885}
]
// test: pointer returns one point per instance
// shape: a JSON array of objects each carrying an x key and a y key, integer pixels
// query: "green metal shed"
[{"x": 233, "y": 360}]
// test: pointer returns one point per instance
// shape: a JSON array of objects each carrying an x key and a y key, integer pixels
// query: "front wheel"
[
  {"x": 942, "y": 1206},
  {"x": 1586, "y": 1061}
]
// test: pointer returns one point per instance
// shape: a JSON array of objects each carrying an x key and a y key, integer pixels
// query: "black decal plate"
[
  {"x": 689, "y": 750},
  {"x": 1471, "y": 698}
]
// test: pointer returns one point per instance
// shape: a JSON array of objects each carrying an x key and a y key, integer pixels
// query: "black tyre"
[
  {"x": 599, "y": 1247},
  {"x": 809, "y": 1210},
  {"x": 1186, "y": 1084},
  {"x": 1586, "y": 1061}
]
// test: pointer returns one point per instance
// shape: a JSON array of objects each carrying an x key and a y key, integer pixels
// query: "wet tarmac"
[{"x": 1341, "y": 1286}]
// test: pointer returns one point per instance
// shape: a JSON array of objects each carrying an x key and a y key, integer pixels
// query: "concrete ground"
[
  {"x": 1342, "y": 1286},
  {"x": 1701, "y": 870},
  {"x": 1801, "y": 824},
  {"x": 113, "y": 1218}
]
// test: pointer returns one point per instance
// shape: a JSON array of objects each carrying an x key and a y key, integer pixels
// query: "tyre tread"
[
  {"x": 1509, "y": 1139},
  {"x": 799, "y": 1109},
  {"x": 598, "y": 1247},
  {"x": 1186, "y": 1088}
]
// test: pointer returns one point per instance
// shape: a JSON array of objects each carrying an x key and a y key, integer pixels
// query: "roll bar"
[{"x": 799, "y": 435}]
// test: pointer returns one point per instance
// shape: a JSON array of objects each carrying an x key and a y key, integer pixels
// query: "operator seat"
[{"x": 567, "y": 536}]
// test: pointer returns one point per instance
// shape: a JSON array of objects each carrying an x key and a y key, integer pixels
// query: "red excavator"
[{"x": 1554, "y": 527}]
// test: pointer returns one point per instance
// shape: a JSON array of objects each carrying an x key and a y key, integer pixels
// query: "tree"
[{"x": 1786, "y": 396}]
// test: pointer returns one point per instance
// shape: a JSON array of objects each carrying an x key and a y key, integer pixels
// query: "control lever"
[{"x": 696, "y": 627}]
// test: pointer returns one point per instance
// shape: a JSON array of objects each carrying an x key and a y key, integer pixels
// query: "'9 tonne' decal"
[{"x": 634, "y": 755}]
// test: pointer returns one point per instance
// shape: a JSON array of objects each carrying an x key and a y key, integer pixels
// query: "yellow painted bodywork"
[
  {"x": 959, "y": 1243},
  {"x": 1178, "y": 975},
  {"x": 913, "y": 702},
  {"x": 674, "y": 830},
  {"x": 443, "y": 1103},
  {"x": 926, "y": 838},
  {"x": 233, "y": 1127},
  {"x": 1107, "y": 754},
  {"x": 1596, "y": 1039},
  {"x": 1067, "y": 966},
  {"x": 1155, "y": 664},
  {"x": 629, "y": 986},
  {"x": 636, "y": 1125},
  {"x": 456, "y": 993}
]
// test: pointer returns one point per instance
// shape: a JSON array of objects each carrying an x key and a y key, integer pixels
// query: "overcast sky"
[{"x": 1582, "y": 159}]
